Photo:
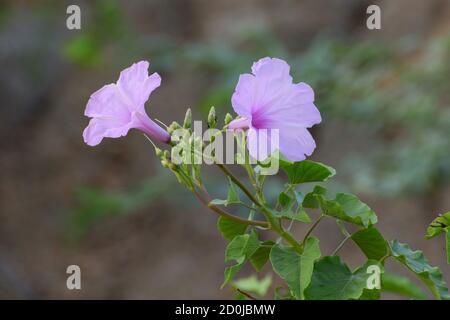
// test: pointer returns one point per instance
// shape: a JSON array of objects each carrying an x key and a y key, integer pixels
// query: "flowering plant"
[{"x": 269, "y": 133}]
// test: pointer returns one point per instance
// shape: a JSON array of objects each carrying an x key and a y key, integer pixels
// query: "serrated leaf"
[
  {"x": 371, "y": 242},
  {"x": 261, "y": 255},
  {"x": 306, "y": 171},
  {"x": 253, "y": 285},
  {"x": 240, "y": 249},
  {"x": 346, "y": 207},
  {"x": 229, "y": 228},
  {"x": 401, "y": 285},
  {"x": 416, "y": 262},
  {"x": 333, "y": 280},
  {"x": 439, "y": 225},
  {"x": 296, "y": 269}
]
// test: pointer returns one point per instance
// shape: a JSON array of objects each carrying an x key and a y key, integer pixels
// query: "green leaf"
[
  {"x": 294, "y": 268},
  {"x": 229, "y": 228},
  {"x": 439, "y": 225},
  {"x": 233, "y": 195},
  {"x": 372, "y": 243},
  {"x": 333, "y": 280},
  {"x": 346, "y": 207},
  {"x": 83, "y": 50},
  {"x": 373, "y": 294},
  {"x": 310, "y": 199},
  {"x": 240, "y": 249},
  {"x": 416, "y": 262},
  {"x": 284, "y": 200},
  {"x": 253, "y": 285},
  {"x": 306, "y": 171},
  {"x": 287, "y": 203},
  {"x": 401, "y": 285},
  {"x": 301, "y": 216},
  {"x": 261, "y": 255},
  {"x": 282, "y": 293}
]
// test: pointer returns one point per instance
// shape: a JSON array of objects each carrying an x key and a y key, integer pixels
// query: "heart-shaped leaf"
[
  {"x": 306, "y": 171},
  {"x": 296, "y": 269}
]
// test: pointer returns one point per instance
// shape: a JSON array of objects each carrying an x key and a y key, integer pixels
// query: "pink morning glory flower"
[
  {"x": 118, "y": 107},
  {"x": 266, "y": 100}
]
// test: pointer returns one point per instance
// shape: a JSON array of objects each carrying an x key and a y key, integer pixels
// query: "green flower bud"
[
  {"x": 187, "y": 119},
  {"x": 172, "y": 166},
  {"x": 165, "y": 163},
  {"x": 212, "y": 119},
  {"x": 158, "y": 152},
  {"x": 228, "y": 119}
]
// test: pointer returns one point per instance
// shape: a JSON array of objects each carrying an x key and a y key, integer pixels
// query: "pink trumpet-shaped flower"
[
  {"x": 268, "y": 100},
  {"x": 118, "y": 107}
]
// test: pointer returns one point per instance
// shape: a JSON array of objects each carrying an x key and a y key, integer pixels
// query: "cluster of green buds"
[
  {"x": 165, "y": 159},
  {"x": 212, "y": 118}
]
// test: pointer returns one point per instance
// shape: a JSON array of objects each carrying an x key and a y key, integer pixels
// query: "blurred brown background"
[{"x": 133, "y": 231}]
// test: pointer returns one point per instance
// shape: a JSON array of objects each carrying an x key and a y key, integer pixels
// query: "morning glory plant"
[{"x": 271, "y": 127}]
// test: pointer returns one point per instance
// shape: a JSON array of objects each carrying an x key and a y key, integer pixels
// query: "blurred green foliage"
[
  {"x": 95, "y": 205},
  {"x": 395, "y": 94}
]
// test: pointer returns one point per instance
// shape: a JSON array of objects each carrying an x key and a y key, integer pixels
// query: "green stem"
[
  {"x": 341, "y": 245},
  {"x": 274, "y": 223},
  {"x": 206, "y": 201},
  {"x": 237, "y": 182},
  {"x": 312, "y": 228}
]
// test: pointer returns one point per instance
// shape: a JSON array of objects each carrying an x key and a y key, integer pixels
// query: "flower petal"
[
  {"x": 101, "y": 128},
  {"x": 106, "y": 102},
  {"x": 296, "y": 144},
  {"x": 135, "y": 85},
  {"x": 244, "y": 95},
  {"x": 296, "y": 109},
  {"x": 272, "y": 68},
  {"x": 262, "y": 143}
]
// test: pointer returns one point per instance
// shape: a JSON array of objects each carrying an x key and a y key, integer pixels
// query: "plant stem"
[
  {"x": 203, "y": 198},
  {"x": 312, "y": 228},
  {"x": 273, "y": 222},
  {"x": 341, "y": 245},
  {"x": 248, "y": 295},
  {"x": 238, "y": 183}
]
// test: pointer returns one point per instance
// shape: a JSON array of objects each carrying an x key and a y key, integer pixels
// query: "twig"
[
  {"x": 312, "y": 228},
  {"x": 248, "y": 295},
  {"x": 341, "y": 245},
  {"x": 204, "y": 198}
]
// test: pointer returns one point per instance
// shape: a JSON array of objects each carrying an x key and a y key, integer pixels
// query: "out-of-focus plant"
[
  {"x": 266, "y": 100},
  {"x": 401, "y": 103},
  {"x": 441, "y": 225},
  {"x": 95, "y": 205}
]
